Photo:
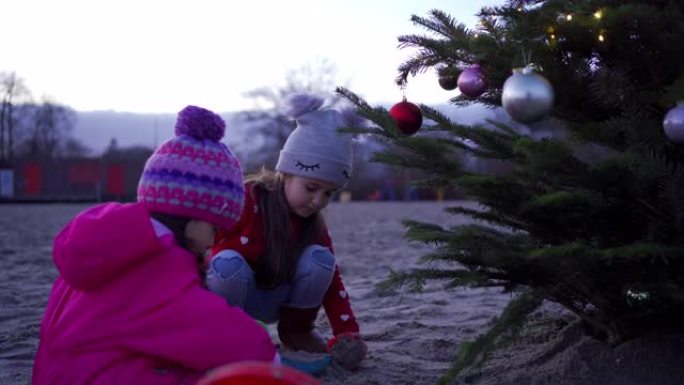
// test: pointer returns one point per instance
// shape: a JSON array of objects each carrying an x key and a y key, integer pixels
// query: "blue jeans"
[{"x": 230, "y": 276}]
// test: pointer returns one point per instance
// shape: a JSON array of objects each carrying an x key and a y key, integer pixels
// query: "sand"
[{"x": 412, "y": 337}]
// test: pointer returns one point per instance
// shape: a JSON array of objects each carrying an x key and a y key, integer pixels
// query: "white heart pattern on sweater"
[
  {"x": 344, "y": 317},
  {"x": 244, "y": 240},
  {"x": 343, "y": 294}
]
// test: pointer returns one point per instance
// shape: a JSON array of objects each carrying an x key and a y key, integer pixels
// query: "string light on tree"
[
  {"x": 552, "y": 34},
  {"x": 597, "y": 15}
]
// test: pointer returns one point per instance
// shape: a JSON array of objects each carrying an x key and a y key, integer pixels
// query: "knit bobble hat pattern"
[{"x": 193, "y": 175}]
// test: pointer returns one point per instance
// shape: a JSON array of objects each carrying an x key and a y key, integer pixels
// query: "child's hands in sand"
[{"x": 347, "y": 350}]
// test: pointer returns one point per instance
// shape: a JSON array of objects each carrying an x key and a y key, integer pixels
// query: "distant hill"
[{"x": 95, "y": 129}]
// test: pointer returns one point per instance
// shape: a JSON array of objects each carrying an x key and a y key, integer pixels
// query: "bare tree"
[
  {"x": 75, "y": 148},
  {"x": 138, "y": 153},
  {"x": 13, "y": 90},
  {"x": 266, "y": 121},
  {"x": 47, "y": 129}
]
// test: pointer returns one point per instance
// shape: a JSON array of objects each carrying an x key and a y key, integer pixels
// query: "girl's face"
[
  {"x": 200, "y": 236},
  {"x": 307, "y": 196}
]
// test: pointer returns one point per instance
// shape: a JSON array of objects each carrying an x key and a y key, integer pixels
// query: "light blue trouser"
[{"x": 230, "y": 276}]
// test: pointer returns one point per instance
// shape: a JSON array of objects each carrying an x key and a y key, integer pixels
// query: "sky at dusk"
[{"x": 160, "y": 55}]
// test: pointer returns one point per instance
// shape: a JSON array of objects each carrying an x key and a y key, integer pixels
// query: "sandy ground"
[{"x": 412, "y": 337}]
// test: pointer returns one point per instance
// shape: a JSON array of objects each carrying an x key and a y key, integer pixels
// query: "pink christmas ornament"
[
  {"x": 673, "y": 123},
  {"x": 472, "y": 82}
]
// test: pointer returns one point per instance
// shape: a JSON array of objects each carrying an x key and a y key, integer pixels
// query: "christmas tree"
[{"x": 593, "y": 219}]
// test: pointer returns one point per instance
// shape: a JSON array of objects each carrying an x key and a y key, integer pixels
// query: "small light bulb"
[
  {"x": 598, "y": 14},
  {"x": 601, "y": 38},
  {"x": 553, "y": 36},
  {"x": 568, "y": 17}
]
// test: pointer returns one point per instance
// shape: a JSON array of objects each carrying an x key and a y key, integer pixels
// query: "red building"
[{"x": 73, "y": 179}]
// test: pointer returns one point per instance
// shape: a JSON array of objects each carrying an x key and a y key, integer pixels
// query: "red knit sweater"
[{"x": 247, "y": 238}]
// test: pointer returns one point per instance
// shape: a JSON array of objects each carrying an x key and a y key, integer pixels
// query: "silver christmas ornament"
[
  {"x": 673, "y": 123},
  {"x": 527, "y": 96}
]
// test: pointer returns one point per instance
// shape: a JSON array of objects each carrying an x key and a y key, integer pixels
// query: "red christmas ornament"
[{"x": 407, "y": 116}]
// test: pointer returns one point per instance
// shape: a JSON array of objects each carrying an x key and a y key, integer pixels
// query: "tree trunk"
[
  {"x": 10, "y": 129},
  {"x": 2, "y": 130}
]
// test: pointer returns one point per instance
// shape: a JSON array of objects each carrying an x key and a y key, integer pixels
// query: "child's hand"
[{"x": 347, "y": 350}]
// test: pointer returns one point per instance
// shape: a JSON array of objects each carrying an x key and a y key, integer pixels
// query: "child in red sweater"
[{"x": 277, "y": 262}]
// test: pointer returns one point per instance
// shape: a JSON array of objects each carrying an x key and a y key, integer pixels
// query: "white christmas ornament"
[
  {"x": 673, "y": 123},
  {"x": 527, "y": 96}
]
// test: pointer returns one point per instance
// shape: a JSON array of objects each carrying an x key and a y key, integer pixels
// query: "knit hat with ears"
[
  {"x": 194, "y": 175},
  {"x": 316, "y": 149}
]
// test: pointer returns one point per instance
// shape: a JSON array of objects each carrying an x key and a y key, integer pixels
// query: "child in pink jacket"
[{"x": 129, "y": 306}]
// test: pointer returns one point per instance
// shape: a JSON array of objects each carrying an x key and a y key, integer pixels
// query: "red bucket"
[{"x": 256, "y": 373}]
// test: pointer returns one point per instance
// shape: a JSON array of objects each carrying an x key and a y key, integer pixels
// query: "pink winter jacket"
[{"x": 128, "y": 308}]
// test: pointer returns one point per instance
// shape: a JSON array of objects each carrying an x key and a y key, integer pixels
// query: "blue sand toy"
[{"x": 311, "y": 363}]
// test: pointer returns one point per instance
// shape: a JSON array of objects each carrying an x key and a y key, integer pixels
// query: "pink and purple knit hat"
[{"x": 194, "y": 175}]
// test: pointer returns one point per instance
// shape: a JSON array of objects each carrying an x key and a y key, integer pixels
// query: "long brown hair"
[{"x": 279, "y": 264}]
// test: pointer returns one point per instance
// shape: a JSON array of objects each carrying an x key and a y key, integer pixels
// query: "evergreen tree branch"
[
  {"x": 416, "y": 279},
  {"x": 442, "y": 24},
  {"x": 490, "y": 217},
  {"x": 511, "y": 321}
]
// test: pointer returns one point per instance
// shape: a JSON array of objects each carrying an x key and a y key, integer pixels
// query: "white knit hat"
[{"x": 316, "y": 149}]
